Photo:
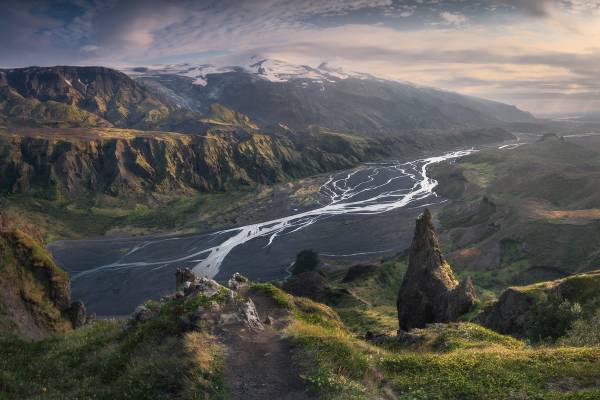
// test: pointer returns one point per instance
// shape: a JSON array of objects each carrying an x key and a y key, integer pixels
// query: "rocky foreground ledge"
[{"x": 202, "y": 303}]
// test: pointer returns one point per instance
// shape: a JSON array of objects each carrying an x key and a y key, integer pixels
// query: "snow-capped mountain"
[
  {"x": 267, "y": 69},
  {"x": 273, "y": 92}
]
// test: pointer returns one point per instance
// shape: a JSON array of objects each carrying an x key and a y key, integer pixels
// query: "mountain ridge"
[{"x": 324, "y": 95}]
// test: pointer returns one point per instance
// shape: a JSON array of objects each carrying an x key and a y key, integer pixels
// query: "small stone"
[
  {"x": 249, "y": 315},
  {"x": 268, "y": 320}
]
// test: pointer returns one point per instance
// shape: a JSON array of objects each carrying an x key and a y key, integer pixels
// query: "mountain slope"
[
  {"x": 525, "y": 214},
  {"x": 75, "y": 96},
  {"x": 272, "y": 92}
]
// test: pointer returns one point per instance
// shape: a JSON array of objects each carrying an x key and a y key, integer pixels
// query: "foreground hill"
[{"x": 254, "y": 341}]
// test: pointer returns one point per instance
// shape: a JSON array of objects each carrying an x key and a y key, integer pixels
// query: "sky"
[{"x": 541, "y": 55}]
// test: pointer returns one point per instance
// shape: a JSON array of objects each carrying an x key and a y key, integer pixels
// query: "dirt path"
[{"x": 259, "y": 365}]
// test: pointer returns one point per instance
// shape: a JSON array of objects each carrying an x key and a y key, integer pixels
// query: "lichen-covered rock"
[
  {"x": 237, "y": 281},
  {"x": 204, "y": 304},
  {"x": 430, "y": 292},
  {"x": 183, "y": 276},
  {"x": 249, "y": 315}
]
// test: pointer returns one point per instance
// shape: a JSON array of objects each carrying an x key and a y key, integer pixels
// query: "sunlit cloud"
[{"x": 529, "y": 53}]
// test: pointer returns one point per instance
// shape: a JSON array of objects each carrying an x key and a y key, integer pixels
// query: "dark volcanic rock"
[
  {"x": 312, "y": 284},
  {"x": 430, "y": 292},
  {"x": 510, "y": 314},
  {"x": 77, "y": 314},
  {"x": 359, "y": 271}
]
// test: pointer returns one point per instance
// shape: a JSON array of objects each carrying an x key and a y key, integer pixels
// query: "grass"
[
  {"x": 480, "y": 174},
  {"x": 281, "y": 298},
  {"x": 108, "y": 360},
  {"x": 30, "y": 279},
  {"x": 449, "y": 361},
  {"x": 380, "y": 290},
  {"x": 454, "y": 361},
  {"x": 97, "y": 215}
]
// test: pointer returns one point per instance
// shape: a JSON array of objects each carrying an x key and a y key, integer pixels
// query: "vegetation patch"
[{"x": 107, "y": 360}]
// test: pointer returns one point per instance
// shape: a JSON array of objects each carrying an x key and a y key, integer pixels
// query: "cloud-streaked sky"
[{"x": 542, "y": 55}]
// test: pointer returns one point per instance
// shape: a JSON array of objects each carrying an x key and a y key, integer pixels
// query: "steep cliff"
[
  {"x": 35, "y": 294},
  {"x": 115, "y": 162},
  {"x": 71, "y": 162}
]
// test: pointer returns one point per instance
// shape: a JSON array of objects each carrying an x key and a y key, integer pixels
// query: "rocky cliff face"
[
  {"x": 114, "y": 162},
  {"x": 70, "y": 162},
  {"x": 35, "y": 294},
  {"x": 430, "y": 292}
]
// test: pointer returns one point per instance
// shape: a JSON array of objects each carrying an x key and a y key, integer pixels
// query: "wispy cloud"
[{"x": 506, "y": 49}]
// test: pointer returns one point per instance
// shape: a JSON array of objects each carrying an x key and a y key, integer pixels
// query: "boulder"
[
  {"x": 142, "y": 314},
  {"x": 510, "y": 314},
  {"x": 183, "y": 275},
  {"x": 237, "y": 281},
  {"x": 430, "y": 292},
  {"x": 77, "y": 314}
]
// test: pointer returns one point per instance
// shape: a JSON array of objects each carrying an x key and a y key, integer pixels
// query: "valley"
[
  {"x": 300, "y": 200},
  {"x": 361, "y": 214}
]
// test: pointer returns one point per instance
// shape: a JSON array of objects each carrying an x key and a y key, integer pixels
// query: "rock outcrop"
[
  {"x": 430, "y": 292},
  {"x": 202, "y": 303},
  {"x": 510, "y": 314},
  {"x": 35, "y": 294},
  {"x": 514, "y": 312}
]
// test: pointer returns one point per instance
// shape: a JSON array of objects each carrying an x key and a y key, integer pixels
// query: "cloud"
[
  {"x": 550, "y": 47},
  {"x": 535, "y": 8},
  {"x": 449, "y": 18}
]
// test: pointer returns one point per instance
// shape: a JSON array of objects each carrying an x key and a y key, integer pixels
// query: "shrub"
[
  {"x": 584, "y": 332},
  {"x": 551, "y": 317},
  {"x": 306, "y": 260}
]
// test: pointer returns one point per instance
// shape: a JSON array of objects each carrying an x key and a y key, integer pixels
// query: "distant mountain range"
[{"x": 272, "y": 92}]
